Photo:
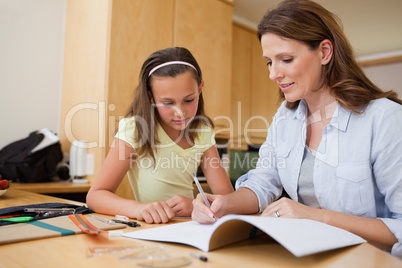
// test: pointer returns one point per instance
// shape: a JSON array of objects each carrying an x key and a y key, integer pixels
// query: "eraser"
[{"x": 115, "y": 233}]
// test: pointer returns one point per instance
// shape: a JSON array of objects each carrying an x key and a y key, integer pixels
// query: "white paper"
[{"x": 300, "y": 236}]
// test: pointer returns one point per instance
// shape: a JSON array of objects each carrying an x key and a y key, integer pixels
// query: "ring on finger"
[{"x": 277, "y": 214}]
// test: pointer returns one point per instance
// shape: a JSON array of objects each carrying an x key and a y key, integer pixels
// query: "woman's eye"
[
  {"x": 269, "y": 63},
  {"x": 188, "y": 101},
  {"x": 167, "y": 103},
  {"x": 287, "y": 60}
]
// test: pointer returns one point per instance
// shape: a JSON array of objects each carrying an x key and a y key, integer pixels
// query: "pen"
[
  {"x": 17, "y": 219},
  {"x": 44, "y": 210},
  {"x": 198, "y": 256},
  {"x": 110, "y": 221},
  {"x": 202, "y": 193}
]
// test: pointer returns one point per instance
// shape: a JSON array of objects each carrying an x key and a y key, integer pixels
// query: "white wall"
[
  {"x": 386, "y": 76},
  {"x": 31, "y": 62}
]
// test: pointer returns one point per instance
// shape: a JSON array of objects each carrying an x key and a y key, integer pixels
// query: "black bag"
[{"x": 19, "y": 164}]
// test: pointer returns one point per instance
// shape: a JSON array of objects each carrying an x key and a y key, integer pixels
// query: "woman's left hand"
[
  {"x": 288, "y": 208},
  {"x": 182, "y": 206}
]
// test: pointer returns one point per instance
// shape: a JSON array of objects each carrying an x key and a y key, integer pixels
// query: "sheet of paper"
[{"x": 299, "y": 236}]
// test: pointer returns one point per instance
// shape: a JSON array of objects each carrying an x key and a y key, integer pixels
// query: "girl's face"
[
  {"x": 294, "y": 67},
  {"x": 176, "y": 99}
]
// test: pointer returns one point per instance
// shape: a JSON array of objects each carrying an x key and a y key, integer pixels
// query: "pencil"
[{"x": 202, "y": 193}]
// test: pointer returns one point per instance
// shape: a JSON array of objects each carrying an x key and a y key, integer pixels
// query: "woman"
[{"x": 334, "y": 144}]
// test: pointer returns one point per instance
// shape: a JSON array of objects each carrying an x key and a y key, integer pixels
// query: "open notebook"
[{"x": 299, "y": 236}]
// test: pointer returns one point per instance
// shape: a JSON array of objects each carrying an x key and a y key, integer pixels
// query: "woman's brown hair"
[
  {"x": 310, "y": 23},
  {"x": 144, "y": 112}
]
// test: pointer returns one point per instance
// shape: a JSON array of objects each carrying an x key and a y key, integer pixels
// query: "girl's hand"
[
  {"x": 181, "y": 206},
  {"x": 154, "y": 212},
  {"x": 201, "y": 212},
  {"x": 287, "y": 208}
]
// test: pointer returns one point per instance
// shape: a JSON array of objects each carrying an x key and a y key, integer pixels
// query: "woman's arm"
[
  {"x": 373, "y": 230},
  {"x": 101, "y": 197}
]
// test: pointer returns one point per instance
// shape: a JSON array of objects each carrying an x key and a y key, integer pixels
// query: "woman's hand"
[
  {"x": 203, "y": 214},
  {"x": 154, "y": 212},
  {"x": 181, "y": 206},
  {"x": 287, "y": 208}
]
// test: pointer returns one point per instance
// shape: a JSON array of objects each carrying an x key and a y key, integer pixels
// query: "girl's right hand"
[{"x": 154, "y": 212}]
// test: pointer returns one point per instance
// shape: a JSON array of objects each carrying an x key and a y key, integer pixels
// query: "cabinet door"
[
  {"x": 264, "y": 96},
  {"x": 241, "y": 82},
  {"x": 254, "y": 95},
  {"x": 138, "y": 28},
  {"x": 205, "y": 28}
]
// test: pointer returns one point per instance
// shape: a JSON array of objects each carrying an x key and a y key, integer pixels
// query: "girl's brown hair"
[
  {"x": 143, "y": 110},
  {"x": 310, "y": 23}
]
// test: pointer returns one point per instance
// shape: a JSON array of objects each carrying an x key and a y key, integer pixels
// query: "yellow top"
[{"x": 170, "y": 174}]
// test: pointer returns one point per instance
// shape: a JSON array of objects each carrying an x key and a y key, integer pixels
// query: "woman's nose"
[{"x": 274, "y": 72}]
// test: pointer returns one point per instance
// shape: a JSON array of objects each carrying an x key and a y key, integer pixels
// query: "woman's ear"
[
  {"x": 200, "y": 87},
  {"x": 327, "y": 50}
]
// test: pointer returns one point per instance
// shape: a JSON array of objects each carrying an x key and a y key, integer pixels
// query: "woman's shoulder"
[
  {"x": 383, "y": 105},
  {"x": 283, "y": 111}
]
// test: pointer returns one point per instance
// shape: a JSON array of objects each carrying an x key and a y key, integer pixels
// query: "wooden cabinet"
[
  {"x": 254, "y": 96},
  {"x": 108, "y": 40},
  {"x": 205, "y": 28}
]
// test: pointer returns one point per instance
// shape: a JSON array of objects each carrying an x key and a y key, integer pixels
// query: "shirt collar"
[
  {"x": 301, "y": 111},
  {"x": 340, "y": 119}
]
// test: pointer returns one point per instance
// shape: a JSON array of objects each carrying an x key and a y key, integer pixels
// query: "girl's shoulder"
[
  {"x": 126, "y": 130},
  {"x": 205, "y": 134}
]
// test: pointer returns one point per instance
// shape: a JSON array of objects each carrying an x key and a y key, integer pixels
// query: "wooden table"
[
  {"x": 71, "y": 251},
  {"x": 52, "y": 187}
]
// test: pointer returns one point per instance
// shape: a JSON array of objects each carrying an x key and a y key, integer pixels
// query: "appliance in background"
[
  {"x": 242, "y": 161},
  {"x": 78, "y": 161}
]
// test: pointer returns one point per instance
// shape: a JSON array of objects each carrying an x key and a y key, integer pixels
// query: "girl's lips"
[{"x": 179, "y": 122}]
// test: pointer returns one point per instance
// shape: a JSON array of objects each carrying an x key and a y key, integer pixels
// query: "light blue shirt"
[{"x": 358, "y": 166}]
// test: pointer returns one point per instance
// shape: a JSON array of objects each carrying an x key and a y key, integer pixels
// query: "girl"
[
  {"x": 162, "y": 140},
  {"x": 335, "y": 143}
]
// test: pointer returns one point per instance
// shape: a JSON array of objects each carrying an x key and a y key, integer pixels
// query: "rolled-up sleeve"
[
  {"x": 264, "y": 179},
  {"x": 387, "y": 168}
]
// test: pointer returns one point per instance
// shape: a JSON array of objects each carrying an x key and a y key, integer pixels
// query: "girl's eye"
[
  {"x": 269, "y": 63},
  {"x": 287, "y": 60},
  {"x": 188, "y": 101},
  {"x": 167, "y": 103}
]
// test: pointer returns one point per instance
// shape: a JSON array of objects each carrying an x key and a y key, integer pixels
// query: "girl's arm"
[
  {"x": 101, "y": 197},
  {"x": 373, "y": 230},
  {"x": 217, "y": 178}
]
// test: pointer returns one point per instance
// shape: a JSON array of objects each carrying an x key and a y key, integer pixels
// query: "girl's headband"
[{"x": 170, "y": 63}]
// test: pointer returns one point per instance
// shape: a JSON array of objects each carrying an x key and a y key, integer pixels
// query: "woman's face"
[
  {"x": 293, "y": 66},
  {"x": 176, "y": 99}
]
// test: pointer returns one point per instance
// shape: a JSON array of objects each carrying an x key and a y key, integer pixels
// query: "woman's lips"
[{"x": 285, "y": 87}]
